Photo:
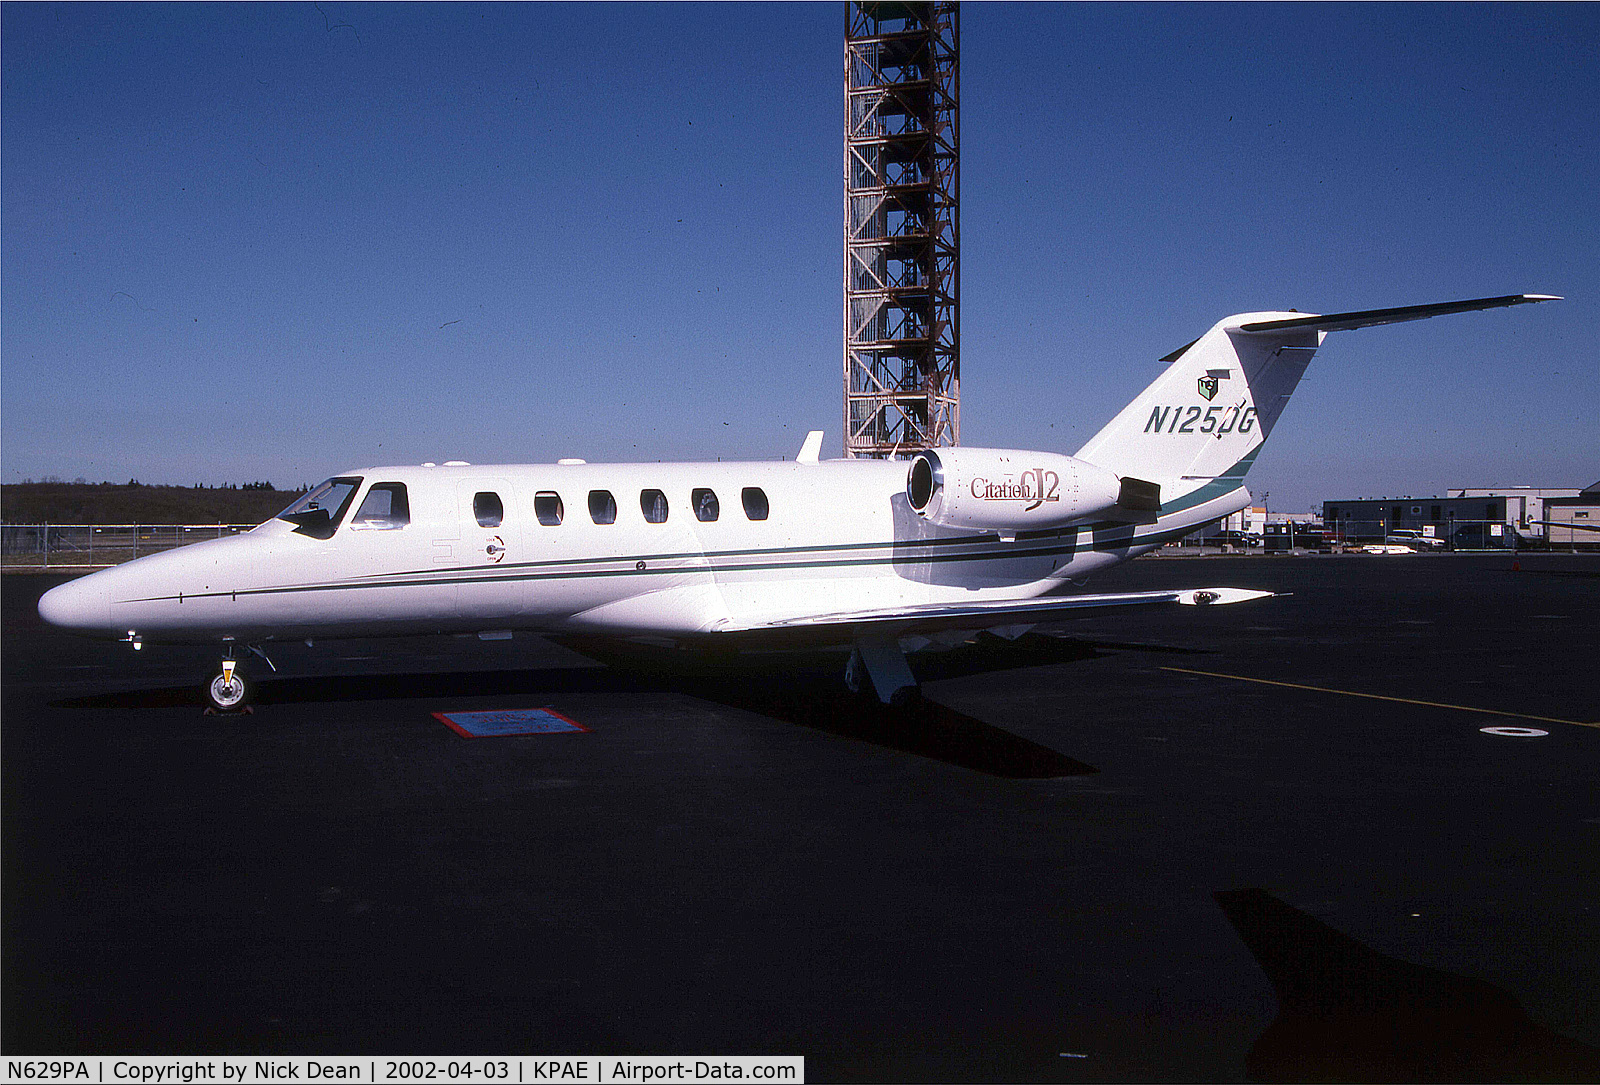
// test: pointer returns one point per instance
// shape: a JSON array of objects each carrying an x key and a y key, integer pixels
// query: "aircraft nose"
[{"x": 82, "y": 605}]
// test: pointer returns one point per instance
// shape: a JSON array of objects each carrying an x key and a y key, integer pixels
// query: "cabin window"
[
  {"x": 384, "y": 508},
  {"x": 547, "y": 507},
  {"x": 488, "y": 509},
  {"x": 755, "y": 502},
  {"x": 705, "y": 505},
  {"x": 317, "y": 513},
  {"x": 653, "y": 503},
  {"x": 602, "y": 507}
]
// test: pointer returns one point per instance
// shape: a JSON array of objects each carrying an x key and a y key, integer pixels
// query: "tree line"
[{"x": 56, "y": 480}]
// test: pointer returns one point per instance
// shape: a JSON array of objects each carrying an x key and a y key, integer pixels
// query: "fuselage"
[
  {"x": 858, "y": 552},
  {"x": 668, "y": 549}
]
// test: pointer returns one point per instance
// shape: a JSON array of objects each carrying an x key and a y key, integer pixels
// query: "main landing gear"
[
  {"x": 878, "y": 664},
  {"x": 229, "y": 692}
]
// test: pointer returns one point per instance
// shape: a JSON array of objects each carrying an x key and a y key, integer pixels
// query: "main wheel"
[
  {"x": 227, "y": 694},
  {"x": 855, "y": 674}
]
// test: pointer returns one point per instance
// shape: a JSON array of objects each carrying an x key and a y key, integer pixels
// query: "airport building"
[
  {"x": 1573, "y": 523},
  {"x": 1467, "y": 518},
  {"x": 1251, "y": 521},
  {"x": 1529, "y": 501}
]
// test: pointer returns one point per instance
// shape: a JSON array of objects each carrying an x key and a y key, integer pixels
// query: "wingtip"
[{"x": 1543, "y": 297}]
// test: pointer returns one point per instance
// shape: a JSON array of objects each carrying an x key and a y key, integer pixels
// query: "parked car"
[
  {"x": 1281, "y": 538},
  {"x": 1402, "y": 536},
  {"x": 1235, "y": 538},
  {"x": 1491, "y": 536}
]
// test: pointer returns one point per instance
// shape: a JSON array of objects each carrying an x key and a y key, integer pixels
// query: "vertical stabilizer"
[
  {"x": 1200, "y": 424},
  {"x": 1197, "y": 429}
]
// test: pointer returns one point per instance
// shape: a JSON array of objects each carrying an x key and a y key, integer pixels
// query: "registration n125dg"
[{"x": 1196, "y": 419}]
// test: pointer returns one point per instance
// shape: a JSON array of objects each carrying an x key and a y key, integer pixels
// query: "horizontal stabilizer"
[{"x": 1338, "y": 322}]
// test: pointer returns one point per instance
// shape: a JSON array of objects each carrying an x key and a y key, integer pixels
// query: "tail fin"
[
  {"x": 1197, "y": 429},
  {"x": 1200, "y": 425}
]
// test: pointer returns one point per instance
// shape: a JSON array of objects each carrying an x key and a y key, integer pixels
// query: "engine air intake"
[{"x": 925, "y": 479}]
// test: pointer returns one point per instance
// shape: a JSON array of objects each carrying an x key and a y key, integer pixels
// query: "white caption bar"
[{"x": 475, "y": 1070}]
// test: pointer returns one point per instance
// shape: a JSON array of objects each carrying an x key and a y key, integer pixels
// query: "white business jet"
[{"x": 865, "y": 554}]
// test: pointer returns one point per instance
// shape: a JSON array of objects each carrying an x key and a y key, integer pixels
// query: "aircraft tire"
[{"x": 228, "y": 697}]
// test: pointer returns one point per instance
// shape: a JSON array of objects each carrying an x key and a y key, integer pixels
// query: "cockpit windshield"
[{"x": 317, "y": 513}]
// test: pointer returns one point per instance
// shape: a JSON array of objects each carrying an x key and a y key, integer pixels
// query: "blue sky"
[{"x": 242, "y": 242}]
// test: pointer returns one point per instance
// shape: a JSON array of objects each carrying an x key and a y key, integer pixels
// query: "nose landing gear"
[{"x": 229, "y": 692}]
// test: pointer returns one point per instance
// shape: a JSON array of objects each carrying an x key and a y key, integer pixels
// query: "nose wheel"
[{"x": 228, "y": 691}]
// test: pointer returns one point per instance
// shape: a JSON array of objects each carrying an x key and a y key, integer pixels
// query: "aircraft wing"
[
  {"x": 1570, "y": 524},
  {"x": 847, "y": 625}
]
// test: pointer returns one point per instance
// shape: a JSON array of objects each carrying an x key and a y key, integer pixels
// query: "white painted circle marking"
[{"x": 1514, "y": 732}]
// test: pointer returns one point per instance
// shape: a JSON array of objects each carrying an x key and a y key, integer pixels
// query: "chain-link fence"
[
  {"x": 1448, "y": 535},
  {"x": 76, "y": 546},
  {"x": 1355, "y": 536}
]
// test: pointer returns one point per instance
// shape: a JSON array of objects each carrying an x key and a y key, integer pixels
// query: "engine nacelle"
[{"x": 1006, "y": 490}]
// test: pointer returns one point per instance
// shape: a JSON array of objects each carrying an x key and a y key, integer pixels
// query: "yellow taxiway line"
[{"x": 1380, "y": 697}]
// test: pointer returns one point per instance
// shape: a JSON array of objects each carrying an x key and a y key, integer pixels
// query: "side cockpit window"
[
  {"x": 318, "y": 511},
  {"x": 385, "y": 508}
]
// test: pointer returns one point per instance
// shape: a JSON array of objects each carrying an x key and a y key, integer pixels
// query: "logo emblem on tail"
[{"x": 1208, "y": 386}]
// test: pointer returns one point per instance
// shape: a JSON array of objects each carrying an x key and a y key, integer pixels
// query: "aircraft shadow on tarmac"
[
  {"x": 810, "y": 693},
  {"x": 1349, "y": 1013}
]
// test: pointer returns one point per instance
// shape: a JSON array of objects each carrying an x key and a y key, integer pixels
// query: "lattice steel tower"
[{"x": 902, "y": 269}]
